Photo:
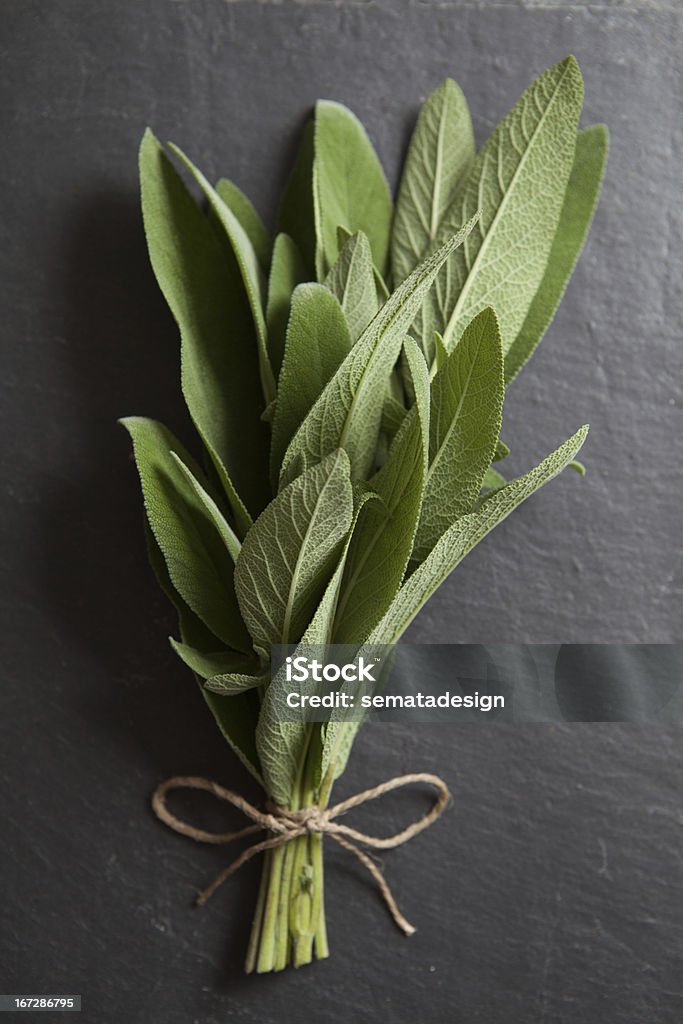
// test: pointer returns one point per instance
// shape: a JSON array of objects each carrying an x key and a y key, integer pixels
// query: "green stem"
[{"x": 289, "y": 924}]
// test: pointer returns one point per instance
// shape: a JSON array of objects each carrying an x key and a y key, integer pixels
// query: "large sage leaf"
[
  {"x": 243, "y": 208},
  {"x": 348, "y": 413},
  {"x": 236, "y": 717},
  {"x": 463, "y": 535},
  {"x": 349, "y": 186},
  {"x": 198, "y": 558},
  {"x": 317, "y": 342},
  {"x": 205, "y": 294},
  {"x": 577, "y": 213},
  {"x": 290, "y": 551},
  {"x": 440, "y": 153},
  {"x": 518, "y": 183},
  {"x": 466, "y": 408},
  {"x": 286, "y": 272},
  {"x": 383, "y": 539},
  {"x": 352, "y": 280},
  {"x": 281, "y": 740},
  {"x": 247, "y": 261}
]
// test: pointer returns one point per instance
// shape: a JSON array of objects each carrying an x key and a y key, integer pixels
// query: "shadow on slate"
[{"x": 91, "y": 562}]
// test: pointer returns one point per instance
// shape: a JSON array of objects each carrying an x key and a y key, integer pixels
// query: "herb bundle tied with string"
[{"x": 346, "y": 382}]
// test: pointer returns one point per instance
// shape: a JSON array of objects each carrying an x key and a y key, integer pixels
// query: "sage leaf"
[
  {"x": 212, "y": 663},
  {"x": 236, "y": 717},
  {"x": 352, "y": 280},
  {"x": 199, "y": 561},
  {"x": 286, "y": 272},
  {"x": 231, "y": 684},
  {"x": 383, "y": 539},
  {"x": 466, "y": 409},
  {"x": 282, "y": 741},
  {"x": 318, "y": 340},
  {"x": 518, "y": 183},
  {"x": 204, "y": 292},
  {"x": 502, "y": 451},
  {"x": 440, "y": 154},
  {"x": 254, "y": 228},
  {"x": 347, "y": 414},
  {"x": 226, "y": 532},
  {"x": 288, "y": 554},
  {"x": 463, "y": 535},
  {"x": 577, "y": 213},
  {"x": 252, "y": 274},
  {"x": 493, "y": 480},
  {"x": 350, "y": 189},
  {"x": 296, "y": 216}
]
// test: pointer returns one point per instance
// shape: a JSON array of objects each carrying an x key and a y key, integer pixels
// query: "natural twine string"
[{"x": 287, "y": 825}]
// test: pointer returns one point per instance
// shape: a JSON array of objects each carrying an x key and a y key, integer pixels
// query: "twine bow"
[{"x": 287, "y": 825}]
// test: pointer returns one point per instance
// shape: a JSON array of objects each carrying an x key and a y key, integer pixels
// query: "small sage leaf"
[
  {"x": 352, "y": 280},
  {"x": 466, "y": 407},
  {"x": 440, "y": 153},
  {"x": 286, "y": 272},
  {"x": 318, "y": 340}
]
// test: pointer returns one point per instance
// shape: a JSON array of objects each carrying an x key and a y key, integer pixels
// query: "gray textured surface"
[{"x": 552, "y": 890}]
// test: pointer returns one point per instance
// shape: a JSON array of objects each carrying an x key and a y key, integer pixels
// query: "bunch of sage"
[{"x": 346, "y": 382}]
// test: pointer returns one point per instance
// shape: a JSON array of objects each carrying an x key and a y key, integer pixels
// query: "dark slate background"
[{"x": 551, "y": 892}]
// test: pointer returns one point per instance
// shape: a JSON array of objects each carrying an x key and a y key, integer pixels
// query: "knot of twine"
[{"x": 286, "y": 825}]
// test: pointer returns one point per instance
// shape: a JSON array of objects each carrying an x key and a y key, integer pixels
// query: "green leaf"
[
  {"x": 243, "y": 209},
  {"x": 220, "y": 374},
  {"x": 440, "y": 154},
  {"x": 348, "y": 414},
  {"x": 393, "y": 415},
  {"x": 518, "y": 183},
  {"x": 352, "y": 280},
  {"x": 579, "y": 205},
  {"x": 296, "y": 216},
  {"x": 212, "y": 663},
  {"x": 286, "y": 272},
  {"x": 466, "y": 408},
  {"x": 383, "y": 539},
  {"x": 502, "y": 451},
  {"x": 281, "y": 741},
  {"x": 349, "y": 186},
  {"x": 226, "y": 532},
  {"x": 463, "y": 535},
  {"x": 317, "y": 342},
  {"x": 230, "y": 684},
  {"x": 493, "y": 480},
  {"x": 252, "y": 274},
  {"x": 236, "y": 717},
  {"x": 440, "y": 354},
  {"x": 199, "y": 561},
  {"x": 288, "y": 554}
]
